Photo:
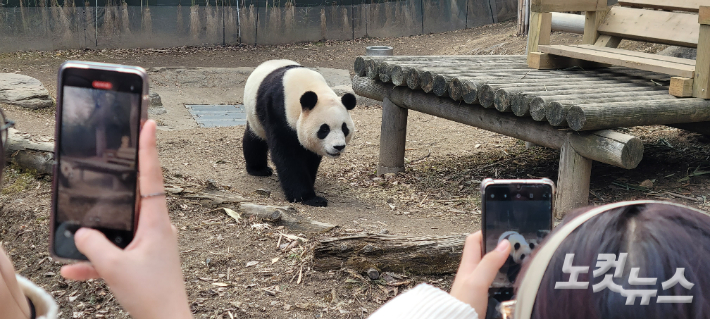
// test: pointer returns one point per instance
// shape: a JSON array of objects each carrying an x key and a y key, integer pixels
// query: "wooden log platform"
[
  {"x": 504, "y": 83},
  {"x": 575, "y": 110}
]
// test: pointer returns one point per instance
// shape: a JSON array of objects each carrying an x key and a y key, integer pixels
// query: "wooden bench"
[{"x": 674, "y": 22}]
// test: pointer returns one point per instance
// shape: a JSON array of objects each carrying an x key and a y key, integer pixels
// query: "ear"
[
  {"x": 309, "y": 100},
  {"x": 349, "y": 101}
]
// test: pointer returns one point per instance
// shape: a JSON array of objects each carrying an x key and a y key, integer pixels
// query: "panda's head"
[
  {"x": 325, "y": 126},
  {"x": 519, "y": 247}
]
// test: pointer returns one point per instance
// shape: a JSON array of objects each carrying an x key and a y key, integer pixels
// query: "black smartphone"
[
  {"x": 519, "y": 211},
  {"x": 100, "y": 110}
]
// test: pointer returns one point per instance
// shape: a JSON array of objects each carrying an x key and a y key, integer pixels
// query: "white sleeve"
[
  {"x": 425, "y": 302},
  {"x": 45, "y": 306}
]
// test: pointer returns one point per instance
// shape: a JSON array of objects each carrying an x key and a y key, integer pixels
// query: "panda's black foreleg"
[
  {"x": 313, "y": 162},
  {"x": 256, "y": 153},
  {"x": 294, "y": 165}
]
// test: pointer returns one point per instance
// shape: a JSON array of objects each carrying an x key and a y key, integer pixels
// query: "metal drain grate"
[{"x": 218, "y": 115}]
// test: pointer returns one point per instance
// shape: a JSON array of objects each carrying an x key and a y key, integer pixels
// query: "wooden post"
[
  {"x": 592, "y": 21},
  {"x": 540, "y": 29},
  {"x": 701, "y": 83},
  {"x": 572, "y": 180},
  {"x": 393, "y": 137}
]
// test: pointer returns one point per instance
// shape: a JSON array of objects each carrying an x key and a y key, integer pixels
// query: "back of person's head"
[{"x": 658, "y": 238}]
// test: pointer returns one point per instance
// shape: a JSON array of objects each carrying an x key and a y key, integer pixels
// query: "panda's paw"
[
  {"x": 266, "y": 171},
  {"x": 316, "y": 201}
]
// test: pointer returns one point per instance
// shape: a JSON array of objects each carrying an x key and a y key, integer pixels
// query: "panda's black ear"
[
  {"x": 349, "y": 101},
  {"x": 309, "y": 100}
]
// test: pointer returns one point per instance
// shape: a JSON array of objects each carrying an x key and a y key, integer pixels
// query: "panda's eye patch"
[
  {"x": 532, "y": 246},
  {"x": 517, "y": 246},
  {"x": 323, "y": 131},
  {"x": 346, "y": 131}
]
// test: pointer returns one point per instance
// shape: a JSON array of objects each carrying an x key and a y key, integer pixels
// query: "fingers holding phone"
[{"x": 476, "y": 273}]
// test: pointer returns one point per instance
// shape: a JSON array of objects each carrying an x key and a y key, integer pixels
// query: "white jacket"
[
  {"x": 425, "y": 302},
  {"x": 45, "y": 306}
]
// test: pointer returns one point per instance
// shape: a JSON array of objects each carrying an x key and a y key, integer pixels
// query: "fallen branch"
[
  {"x": 30, "y": 154},
  {"x": 401, "y": 254},
  {"x": 284, "y": 216}
]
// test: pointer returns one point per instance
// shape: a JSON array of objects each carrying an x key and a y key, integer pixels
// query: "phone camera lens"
[
  {"x": 493, "y": 195},
  {"x": 531, "y": 196},
  {"x": 517, "y": 196},
  {"x": 132, "y": 87},
  {"x": 505, "y": 195}
]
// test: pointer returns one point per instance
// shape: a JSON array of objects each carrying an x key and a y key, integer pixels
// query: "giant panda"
[
  {"x": 520, "y": 249},
  {"x": 295, "y": 116}
]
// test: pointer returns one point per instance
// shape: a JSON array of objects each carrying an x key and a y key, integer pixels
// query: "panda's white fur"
[
  {"x": 520, "y": 249},
  {"x": 328, "y": 110},
  {"x": 296, "y": 117}
]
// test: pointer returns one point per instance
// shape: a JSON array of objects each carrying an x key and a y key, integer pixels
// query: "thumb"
[
  {"x": 95, "y": 246},
  {"x": 491, "y": 263}
]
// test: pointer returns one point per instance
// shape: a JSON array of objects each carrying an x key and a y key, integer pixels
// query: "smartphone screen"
[
  {"x": 99, "y": 117},
  {"x": 520, "y": 213}
]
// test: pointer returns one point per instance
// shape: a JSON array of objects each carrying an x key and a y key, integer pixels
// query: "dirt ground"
[{"x": 235, "y": 269}]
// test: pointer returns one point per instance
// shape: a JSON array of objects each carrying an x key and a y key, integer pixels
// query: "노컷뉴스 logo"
[{"x": 605, "y": 262}]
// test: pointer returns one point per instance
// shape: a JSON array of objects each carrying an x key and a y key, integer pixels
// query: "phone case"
[
  {"x": 143, "y": 117},
  {"x": 488, "y": 182}
]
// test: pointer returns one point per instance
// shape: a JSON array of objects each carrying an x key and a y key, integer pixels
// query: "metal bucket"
[{"x": 379, "y": 51}]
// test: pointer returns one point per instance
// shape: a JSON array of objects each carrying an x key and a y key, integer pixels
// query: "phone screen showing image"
[
  {"x": 521, "y": 214},
  {"x": 96, "y": 157}
]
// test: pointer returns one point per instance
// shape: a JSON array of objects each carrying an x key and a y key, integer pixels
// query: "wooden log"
[
  {"x": 415, "y": 255},
  {"x": 572, "y": 181},
  {"x": 398, "y": 75},
  {"x": 413, "y": 80},
  {"x": 285, "y": 216},
  {"x": 372, "y": 71},
  {"x": 383, "y": 71},
  {"x": 455, "y": 89},
  {"x": 26, "y": 153},
  {"x": 441, "y": 84},
  {"x": 517, "y": 127},
  {"x": 634, "y": 113},
  {"x": 520, "y": 100},
  {"x": 486, "y": 92},
  {"x": 393, "y": 138},
  {"x": 556, "y": 107},
  {"x": 469, "y": 91},
  {"x": 426, "y": 81}
]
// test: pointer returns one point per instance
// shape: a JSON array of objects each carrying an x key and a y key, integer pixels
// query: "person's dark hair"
[{"x": 658, "y": 239}]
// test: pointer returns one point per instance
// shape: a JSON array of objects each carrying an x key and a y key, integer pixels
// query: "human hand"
[
  {"x": 476, "y": 274},
  {"x": 146, "y": 277},
  {"x": 12, "y": 301}
]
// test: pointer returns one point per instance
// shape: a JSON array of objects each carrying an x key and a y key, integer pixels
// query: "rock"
[
  {"x": 263, "y": 192},
  {"x": 24, "y": 91},
  {"x": 155, "y": 99},
  {"x": 373, "y": 274},
  {"x": 156, "y": 104},
  {"x": 647, "y": 183},
  {"x": 680, "y": 52}
]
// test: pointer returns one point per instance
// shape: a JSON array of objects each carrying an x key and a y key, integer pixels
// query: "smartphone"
[
  {"x": 519, "y": 211},
  {"x": 100, "y": 110}
]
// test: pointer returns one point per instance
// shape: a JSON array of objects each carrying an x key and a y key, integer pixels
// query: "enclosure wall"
[{"x": 97, "y": 24}]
